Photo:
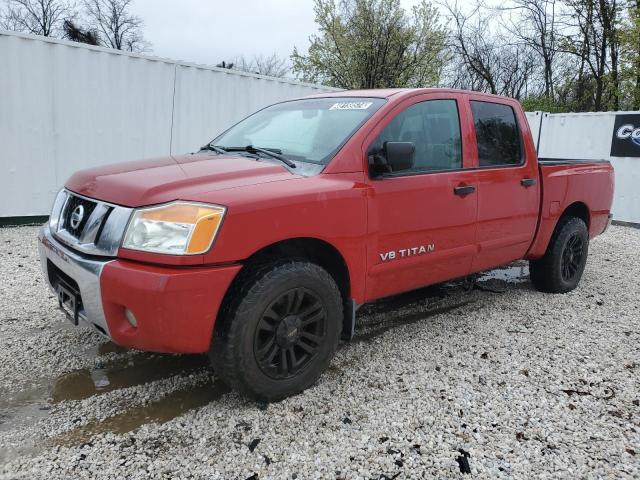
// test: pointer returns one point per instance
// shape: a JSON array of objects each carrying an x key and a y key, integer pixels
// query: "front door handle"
[
  {"x": 528, "y": 182},
  {"x": 464, "y": 190}
]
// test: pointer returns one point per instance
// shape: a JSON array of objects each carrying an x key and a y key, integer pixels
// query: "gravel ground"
[{"x": 494, "y": 379}]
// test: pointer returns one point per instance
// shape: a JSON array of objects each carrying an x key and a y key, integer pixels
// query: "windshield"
[{"x": 311, "y": 130}]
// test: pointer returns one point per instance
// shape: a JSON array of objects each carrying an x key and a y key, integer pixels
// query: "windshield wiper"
[
  {"x": 218, "y": 150},
  {"x": 252, "y": 149},
  {"x": 285, "y": 160}
]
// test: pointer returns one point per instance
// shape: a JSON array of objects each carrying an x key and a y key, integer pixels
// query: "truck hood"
[{"x": 148, "y": 182}]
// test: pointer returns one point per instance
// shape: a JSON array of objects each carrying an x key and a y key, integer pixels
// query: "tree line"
[{"x": 552, "y": 55}]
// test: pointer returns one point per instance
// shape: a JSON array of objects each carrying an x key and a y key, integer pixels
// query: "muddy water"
[
  {"x": 168, "y": 408},
  {"x": 25, "y": 407},
  {"x": 141, "y": 368},
  {"x": 31, "y": 405},
  {"x": 515, "y": 273}
]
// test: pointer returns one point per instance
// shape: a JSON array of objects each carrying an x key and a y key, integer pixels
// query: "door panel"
[
  {"x": 507, "y": 216},
  {"x": 407, "y": 213},
  {"x": 507, "y": 206},
  {"x": 421, "y": 231}
]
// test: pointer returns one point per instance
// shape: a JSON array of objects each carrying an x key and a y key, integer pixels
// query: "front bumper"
[
  {"x": 84, "y": 271},
  {"x": 175, "y": 307}
]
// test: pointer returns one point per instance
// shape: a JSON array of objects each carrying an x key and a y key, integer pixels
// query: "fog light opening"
[{"x": 131, "y": 317}]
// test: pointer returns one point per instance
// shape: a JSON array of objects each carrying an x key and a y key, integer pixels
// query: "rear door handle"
[
  {"x": 464, "y": 190},
  {"x": 528, "y": 182}
]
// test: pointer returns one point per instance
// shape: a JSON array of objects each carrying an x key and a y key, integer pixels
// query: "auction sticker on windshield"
[{"x": 351, "y": 106}]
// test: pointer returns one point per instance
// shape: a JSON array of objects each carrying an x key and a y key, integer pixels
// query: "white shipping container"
[
  {"x": 66, "y": 106},
  {"x": 588, "y": 136}
]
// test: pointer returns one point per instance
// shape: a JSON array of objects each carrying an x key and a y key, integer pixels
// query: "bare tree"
[
  {"x": 269, "y": 65},
  {"x": 610, "y": 12},
  {"x": 535, "y": 25},
  {"x": 589, "y": 38},
  {"x": 472, "y": 44},
  {"x": 38, "y": 17},
  {"x": 484, "y": 58},
  {"x": 116, "y": 26}
]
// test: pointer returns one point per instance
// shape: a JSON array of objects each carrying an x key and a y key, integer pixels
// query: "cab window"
[
  {"x": 433, "y": 127},
  {"x": 497, "y": 134}
]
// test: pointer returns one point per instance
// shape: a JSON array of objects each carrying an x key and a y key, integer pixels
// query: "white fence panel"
[
  {"x": 67, "y": 106},
  {"x": 588, "y": 136},
  {"x": 576, "y": 135}
]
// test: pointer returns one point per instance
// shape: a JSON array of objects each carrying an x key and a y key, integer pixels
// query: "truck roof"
[
  {"x": 375, "y": 93},
  {"x": 396, "y": 92}
]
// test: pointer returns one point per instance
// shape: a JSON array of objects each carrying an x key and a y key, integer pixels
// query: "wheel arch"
[
  {"x": 316, "y": 251},
  {"x": 578, "y": 210},
  {"x": 549, "y": 225}
]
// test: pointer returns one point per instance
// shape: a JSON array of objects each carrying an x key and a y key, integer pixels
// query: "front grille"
[
  {"x": 77, "y": 205},
  {"x": 100, "y": 230}
]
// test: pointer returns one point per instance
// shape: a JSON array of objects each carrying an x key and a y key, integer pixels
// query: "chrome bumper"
[{"x": 85, "y": 272}]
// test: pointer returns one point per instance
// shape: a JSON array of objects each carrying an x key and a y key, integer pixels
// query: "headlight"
[
  {"x": 56, "y": 210},
  {"x": 179, "y": 228}
]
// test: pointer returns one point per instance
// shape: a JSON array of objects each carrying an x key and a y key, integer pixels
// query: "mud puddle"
[
  {"x": 137, "y": 370},
  {"x": 161, "y": 411},
  {"x": 128, "y": 370},
  {"x": 514, "y": 273},
  {"x": 25, "y": 407}
]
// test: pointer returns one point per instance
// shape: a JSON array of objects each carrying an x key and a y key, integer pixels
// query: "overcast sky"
[{"x": 209, "y": 31}]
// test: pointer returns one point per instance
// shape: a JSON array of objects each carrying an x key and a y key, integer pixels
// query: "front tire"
[
  {"x": 278, "y": 330},
  {"x": 561, "y": 268}
]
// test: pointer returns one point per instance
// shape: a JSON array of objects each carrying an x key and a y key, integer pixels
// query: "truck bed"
[{"x": 585, "y": 186}]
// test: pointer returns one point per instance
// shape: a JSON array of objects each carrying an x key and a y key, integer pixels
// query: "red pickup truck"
[{"x": 259, "y": 248}]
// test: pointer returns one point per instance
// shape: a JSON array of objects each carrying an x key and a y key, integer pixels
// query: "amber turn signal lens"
[{"x": 203, "y": 232}]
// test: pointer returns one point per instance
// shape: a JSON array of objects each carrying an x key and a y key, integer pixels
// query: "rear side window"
[
  {"x": 497, "y": 134},
  {"x": 433, "y": 127}
]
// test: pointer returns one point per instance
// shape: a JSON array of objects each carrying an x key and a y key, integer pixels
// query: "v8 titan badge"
[{"x": 407, "y": 252}]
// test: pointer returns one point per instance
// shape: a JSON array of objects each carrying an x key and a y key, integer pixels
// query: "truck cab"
[{"x": 259, "y": 248}]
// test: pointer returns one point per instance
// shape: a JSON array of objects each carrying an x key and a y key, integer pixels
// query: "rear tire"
[
  {"x": 278, "y": 330},
  {"x": 561, "y": 268}
]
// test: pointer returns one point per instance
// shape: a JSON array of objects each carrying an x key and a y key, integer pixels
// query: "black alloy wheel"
[
  {"x": 572, "y": 257},
  {"x": 290, "y": 333},
  {"x": 278, "y": 329},
  {"x": 561, "y": 267}
]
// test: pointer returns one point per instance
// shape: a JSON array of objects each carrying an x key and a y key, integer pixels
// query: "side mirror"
[
  {"x": 392, "y": 157},
  {"x": 399, "y": 155}
]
